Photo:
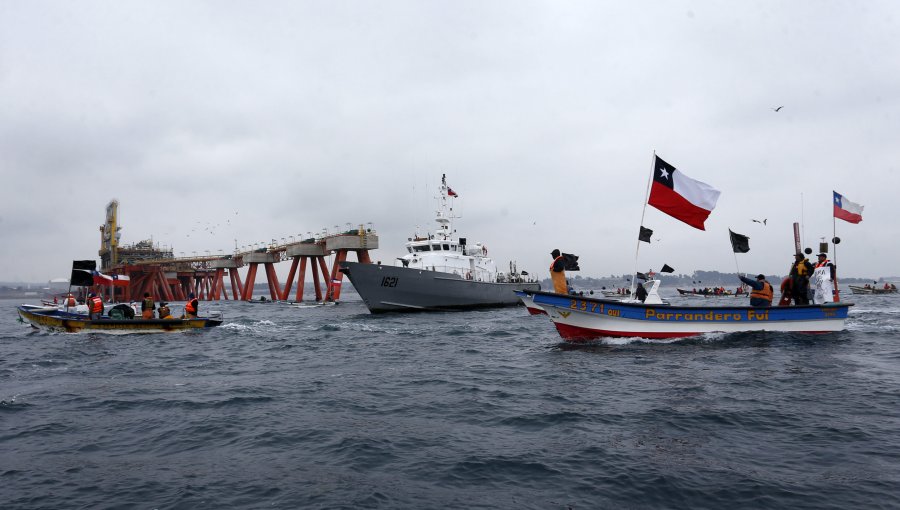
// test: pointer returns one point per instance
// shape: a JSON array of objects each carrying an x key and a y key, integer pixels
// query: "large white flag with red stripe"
[
  {"x": 846, "y": 210},
  {"x": 681, "y": 197}
]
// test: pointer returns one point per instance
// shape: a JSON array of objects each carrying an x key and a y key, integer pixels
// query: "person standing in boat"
[
  {"x": 190, "y": 309},
  {"x": 823, "y": 280},
  {"x": 95, "y": 306},
  {"x": 761, "y": 295},
  {"x": 147, "y": 306},
  {"x": 800, "y": 272},
  {"x": 558, "y": 273},
  {"x": 640, "y": 292}
]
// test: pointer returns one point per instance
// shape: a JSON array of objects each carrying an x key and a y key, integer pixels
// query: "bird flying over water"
[
  {"x": 778, "y": 109},
  {"x": 757, "y": 221}
]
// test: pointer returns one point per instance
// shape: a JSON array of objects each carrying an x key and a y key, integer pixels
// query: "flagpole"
[
  {"x": 837, "y": 292},
  {"x": 643, "y": 212},
  {"x": 802, "y": 222}
]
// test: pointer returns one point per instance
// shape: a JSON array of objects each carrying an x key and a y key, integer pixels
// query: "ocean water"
[{"x": 331, "y": 407}]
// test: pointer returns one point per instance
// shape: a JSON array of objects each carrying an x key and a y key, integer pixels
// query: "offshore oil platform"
[{"x": 127, "y": 272}]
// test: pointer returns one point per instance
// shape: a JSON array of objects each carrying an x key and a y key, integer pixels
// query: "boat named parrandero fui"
[
  {"x": 438, "y": 272},
  {"x": 579, "y": 318}
]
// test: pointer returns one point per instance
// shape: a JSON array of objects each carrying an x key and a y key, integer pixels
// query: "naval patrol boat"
[{"x": 438, "y": 272}]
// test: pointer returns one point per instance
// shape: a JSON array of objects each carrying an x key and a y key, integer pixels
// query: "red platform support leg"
[
  {"x": 334, "y": 284},
  {"x": 301, "y": 282},
  {"x": 248, "y": 284},
  {"x": 315, "y": 273},
  {"x": 290, "y": 280},
  {"x": 325, "y": 274},
  {"x": 237, "y": 289},
  {"x": 272, "y": 279}
]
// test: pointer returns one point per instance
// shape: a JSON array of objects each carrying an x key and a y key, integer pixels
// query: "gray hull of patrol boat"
[{"x": 402, "y": 289}]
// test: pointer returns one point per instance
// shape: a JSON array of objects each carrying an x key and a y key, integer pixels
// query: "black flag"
[
  {"x": 571, "y": 262},
  {"x": 90, "y": 265},
  {"x": 82, "y": 275},
  {"x": 739, "y": 243},
  {"x": 81, "y": 278},
  {"x": 666, "y": 269},
  {"x": 645, "y": 234},
  {"x": 642, "y": 276}
]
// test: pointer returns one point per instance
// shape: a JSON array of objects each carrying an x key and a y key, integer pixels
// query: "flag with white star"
[{"x": 681, "y": 197}]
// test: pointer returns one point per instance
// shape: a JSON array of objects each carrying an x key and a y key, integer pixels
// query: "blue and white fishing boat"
[{"x": 580, "y": 318}]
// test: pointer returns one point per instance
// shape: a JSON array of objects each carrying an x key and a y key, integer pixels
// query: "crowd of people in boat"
[
  {"x": 146, "y": 310},
  {"x": 806, "y": 283},
  {"x": 719, "y": 291},
  {"x": 887, "y": 286}
]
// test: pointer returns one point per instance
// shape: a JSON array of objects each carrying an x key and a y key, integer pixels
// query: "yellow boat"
[{"x": 53, "y": 319}]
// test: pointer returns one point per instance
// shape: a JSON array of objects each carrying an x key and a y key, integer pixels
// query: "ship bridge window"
[
  {"x": 447, "y": 247},
  {"x": 422, "y": 248}
]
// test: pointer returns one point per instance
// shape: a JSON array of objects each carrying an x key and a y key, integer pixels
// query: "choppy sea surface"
[{"x": 331, "y": 407}]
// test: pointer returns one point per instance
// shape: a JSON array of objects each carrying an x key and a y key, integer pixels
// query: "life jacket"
[
  {"x": 801, "y": 268},
  {"x": 823, "y": 264},
  {"x": 164, "y": 312},
  {"x": 147, "y": 304},
  {"x": 70, "y": 302},
  {"x": 764, "y": 293},
  {"x": 558, "y": 278},
  {"x": 96, "y": 304},
  {"x": 191, "y": 306}
]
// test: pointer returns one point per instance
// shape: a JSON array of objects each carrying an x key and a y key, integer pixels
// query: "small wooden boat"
[
  {"x": 54, "y": 319},
  {"x": 860, "y": 289},
  {"x": 579, "y": 318},
  {"x": 694, "y": 293}
]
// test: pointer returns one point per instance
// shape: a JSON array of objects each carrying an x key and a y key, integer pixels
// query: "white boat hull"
[{"x": 577, "y": 318}]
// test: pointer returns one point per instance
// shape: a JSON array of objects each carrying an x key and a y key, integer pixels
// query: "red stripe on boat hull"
[{"x": 575, "y": 333}]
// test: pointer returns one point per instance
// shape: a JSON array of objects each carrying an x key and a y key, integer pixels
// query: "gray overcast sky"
[{"x": 263, "y": 120}]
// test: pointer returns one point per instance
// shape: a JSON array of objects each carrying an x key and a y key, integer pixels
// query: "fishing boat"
[
  {"x": 711, "y": 294},
  {"x": 861, "y": 289},
  {"x": 54, "y": 319},
  {"x": 438, "y": 272},
  {"x": 580, "y": 318}
]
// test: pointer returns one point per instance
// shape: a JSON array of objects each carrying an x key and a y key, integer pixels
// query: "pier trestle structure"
[{"x": 172, "y": 279}]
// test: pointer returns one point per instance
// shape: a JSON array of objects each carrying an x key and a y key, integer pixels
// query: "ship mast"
[{"x": 445, "y": 212}]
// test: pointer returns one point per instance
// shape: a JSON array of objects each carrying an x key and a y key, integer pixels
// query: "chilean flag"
[
  {"x": 846, "y": 210},
  {"x": 101, "y": 279},
  {"x": 681, "y": 197}
]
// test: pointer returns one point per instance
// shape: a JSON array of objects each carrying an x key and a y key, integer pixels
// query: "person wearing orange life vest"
[
  {"x": 147, "y": 306},
  {"x": 190, "y": 309},
  {"x": 761, "y": 295},
  {"x": 786, "y": 291},
  {"x": 70, "y": 301},
  {"x": 95, "y": 306},
  {"x": 558, "y": 273}
]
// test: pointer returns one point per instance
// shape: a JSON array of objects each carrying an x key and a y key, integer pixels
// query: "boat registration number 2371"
[
  {"x": 389, "y": 281},
  {"x": 584, "y": 306}
]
